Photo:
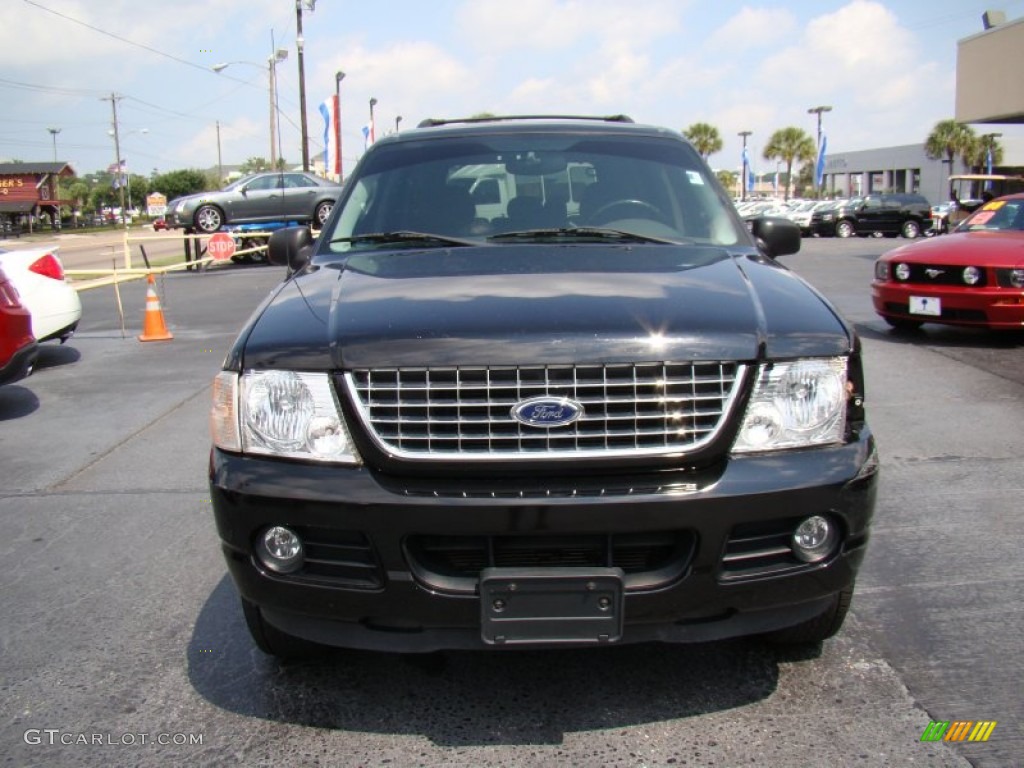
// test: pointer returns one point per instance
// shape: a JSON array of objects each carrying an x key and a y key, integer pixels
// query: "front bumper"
[
  {"x": 997, "y": 308},
  {"x": 403, "y": 575}
]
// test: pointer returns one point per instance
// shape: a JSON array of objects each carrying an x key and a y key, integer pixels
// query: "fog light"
[
  {"x": 902, "y": 271},
  {"x": 972, "y": 275},
  {"x": 280, "y": 549},
  {"x": 814, "y": 539}
]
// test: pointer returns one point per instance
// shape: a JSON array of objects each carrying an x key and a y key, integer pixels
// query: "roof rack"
[{"x": 431, "y": 122}]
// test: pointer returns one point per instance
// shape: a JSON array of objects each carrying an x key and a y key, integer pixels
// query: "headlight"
[
  {"x": 902, "y": 271},
  {"x": 280, "y": 413},
  {"x": 881, "y": 270},
  {"x": 1017, "y": 278},
  {"x": 795, "y": 405},
  {"x": 972, "y": 275}
]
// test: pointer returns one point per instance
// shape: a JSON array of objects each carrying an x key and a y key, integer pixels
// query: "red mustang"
[{"x": 972, "y": 277}]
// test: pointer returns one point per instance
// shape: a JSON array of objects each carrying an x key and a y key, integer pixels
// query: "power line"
[{"x": 117, "y": 37}]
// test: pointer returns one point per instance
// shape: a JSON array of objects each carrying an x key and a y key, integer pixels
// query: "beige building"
[{"x": 989, "y": 86}]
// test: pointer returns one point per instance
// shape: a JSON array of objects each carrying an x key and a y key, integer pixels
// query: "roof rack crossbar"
[{"x": 432, "y": 122}]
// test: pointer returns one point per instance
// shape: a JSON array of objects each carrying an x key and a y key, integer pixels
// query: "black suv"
[
  {"x": 886, "y": 214},
  {"x": 586, "y": 407}
]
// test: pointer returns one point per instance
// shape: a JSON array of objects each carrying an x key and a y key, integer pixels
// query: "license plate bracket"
[{"x": 528, "y": 606}]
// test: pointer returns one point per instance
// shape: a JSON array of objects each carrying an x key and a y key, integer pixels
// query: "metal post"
[
  {"x": 373, "y": 128},
  {"x": 56, "y": 186},
  {"x": 817, "y": 111},
  {"x": 338, "y": 77}
]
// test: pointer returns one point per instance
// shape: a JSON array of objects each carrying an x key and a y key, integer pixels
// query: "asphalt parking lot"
[{"x": 123, "y": 642}]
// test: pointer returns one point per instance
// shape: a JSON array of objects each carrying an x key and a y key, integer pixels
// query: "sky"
[{"x": 887, "y": 69}]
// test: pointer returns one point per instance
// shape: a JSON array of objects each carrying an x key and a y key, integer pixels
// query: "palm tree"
[
  {"x": 727, "y": 179},
  {"x": 790, "y": 145},
  {"x": 949, "y": 139},
  {"x": 978, "y": 156},
  {"x": 704, "y": 138}
]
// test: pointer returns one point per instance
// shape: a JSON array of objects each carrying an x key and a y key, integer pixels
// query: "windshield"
[
  {"x": 493, "y": 190},
  {"x": 997, "y": 215}
]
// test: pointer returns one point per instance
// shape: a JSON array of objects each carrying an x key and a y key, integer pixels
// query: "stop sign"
[{"x": 221, "y": 247}]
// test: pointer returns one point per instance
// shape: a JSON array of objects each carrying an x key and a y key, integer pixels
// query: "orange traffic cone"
[{"x": 153, "y": 326}]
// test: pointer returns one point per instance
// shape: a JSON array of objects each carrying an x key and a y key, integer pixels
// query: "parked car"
[
  {"x": 974, "y": 276},
  {"x": 261, "y": 197},
  {"x": 458, "y": 426},
  {"x": 159, "y": 223},
  {"x": 801, "y": 215},
  {"x": 887, "y": 214},
  {"x": 18, "y": 347},
  {"x": 38, "y": 274}
]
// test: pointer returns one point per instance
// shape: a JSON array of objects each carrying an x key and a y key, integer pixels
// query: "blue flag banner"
[
  {"x": 819, "y": 170},
  {"x": 332, "y": 152}
]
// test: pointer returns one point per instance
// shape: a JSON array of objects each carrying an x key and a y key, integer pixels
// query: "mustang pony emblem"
[{"x": 933, "y": 273}]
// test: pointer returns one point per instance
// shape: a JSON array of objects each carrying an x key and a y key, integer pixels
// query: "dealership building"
[{"x": 984, "y": 101}]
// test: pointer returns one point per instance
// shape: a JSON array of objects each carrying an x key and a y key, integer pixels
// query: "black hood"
[{"x": 542, "y": 304}]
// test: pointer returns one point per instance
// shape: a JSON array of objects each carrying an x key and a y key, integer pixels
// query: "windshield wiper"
[
  {"x": 593, "y": 233},
  {"x": 403, "y": 236}
]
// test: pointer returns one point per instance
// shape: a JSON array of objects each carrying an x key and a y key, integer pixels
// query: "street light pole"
[
  {"x": 55, "y": 131},
  {"x": 743, "y": 181},
  {"x": 398, "y": 121},
  {"x": 338, "y": 77},
  {"x": 817, "y": 111},
  {"x": 56, "y": 185},
  {"x": 279, "y": 55},
  {"x": 373, "y": 130}
]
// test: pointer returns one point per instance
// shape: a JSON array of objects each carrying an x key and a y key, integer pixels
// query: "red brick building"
[{"x": 30, "y": 190}]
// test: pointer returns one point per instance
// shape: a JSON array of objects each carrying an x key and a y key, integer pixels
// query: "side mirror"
[
  {"x": 775, "y": 235},
  {"x": 290, "y": 247}
]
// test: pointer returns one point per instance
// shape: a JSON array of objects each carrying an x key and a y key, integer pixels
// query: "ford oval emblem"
[{"x": 547, "y": 412}]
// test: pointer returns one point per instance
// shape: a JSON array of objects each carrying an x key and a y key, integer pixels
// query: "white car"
[{"x": 38, "y": 276}]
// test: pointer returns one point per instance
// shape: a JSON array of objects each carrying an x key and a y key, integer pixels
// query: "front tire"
[
  {"x": 820, "y": 628},
  {"x": 209, "y": 219},
  {"x": 322, "y": 213},
  {"x": 272, "y": 640},
  {"x": 911, "y": 229},
  {"x": 844, "y": 228}
]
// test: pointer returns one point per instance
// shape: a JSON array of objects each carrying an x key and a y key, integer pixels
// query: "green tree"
[
  {"x": 254, "y": 165},
  {"x": 76, "y": 192},
  {"x": 949, "y": 139},
  {"x": 790, "y": 145},
  {"x": 177, "y": 183},
  {"x": 727, "y": 179},
  {"x": 705, "y": 139},
  {"x": 977, "y": 158}
]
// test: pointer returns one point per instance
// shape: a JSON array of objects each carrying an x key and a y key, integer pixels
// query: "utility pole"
[
  {"x": 299, "y": 42},
  {"x": 114, "y": 98}
]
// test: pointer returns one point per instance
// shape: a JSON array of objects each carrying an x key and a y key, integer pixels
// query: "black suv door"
[{"x": 871, "y": 216}]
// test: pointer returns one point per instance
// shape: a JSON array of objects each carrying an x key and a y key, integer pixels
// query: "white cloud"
[
  {"x": 753, "y": 28},
  {"x": 560, "y": 25}
]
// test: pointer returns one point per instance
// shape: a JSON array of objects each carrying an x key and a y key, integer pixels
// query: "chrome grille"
[{"x": 466, "y": 412}]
